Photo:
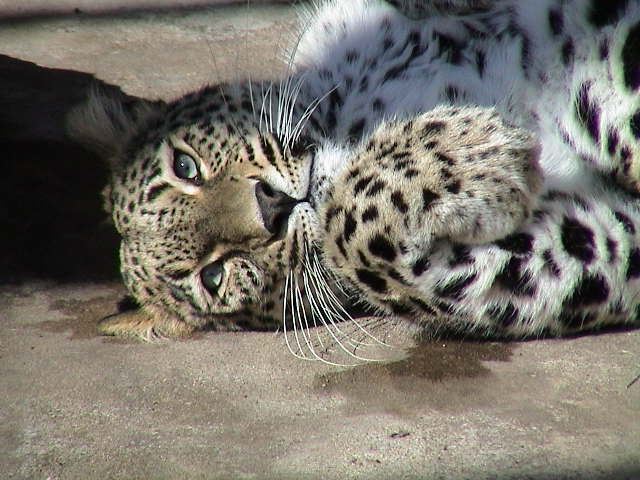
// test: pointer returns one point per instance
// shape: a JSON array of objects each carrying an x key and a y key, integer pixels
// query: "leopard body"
[{"x": 466, "y": 165}]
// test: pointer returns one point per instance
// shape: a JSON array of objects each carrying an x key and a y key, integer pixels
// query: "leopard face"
[{"x": 213, "y": 212}]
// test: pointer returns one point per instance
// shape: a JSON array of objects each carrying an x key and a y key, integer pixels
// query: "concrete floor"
[{"x": 239, "y": 405}]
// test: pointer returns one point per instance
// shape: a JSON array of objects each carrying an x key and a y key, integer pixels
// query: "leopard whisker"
[
  {"x": 282, "y": 94},
  {"x": 315, "y": 294},
  {"x": 293, "y": 297},
  {"x": 304, "y": 328},
  {"x": 349, "y": 341},
  {"x": 297, "y": 320},
  {"x": 347, "y": 314},
  {"x": 307, "y": 337},
  {"x": 262, "y": 112},
  {"x": 291, "y": 111},
  {"x": 331, "y": 312},
  {"x": 224, "y": 98},
  {"x": 334, "y": 329},
  {"x": 297, "y": 130},
  {"x": 292, "y": 134},
  {"x": 292, "y": 96},
  {"x": 329, "y": 276},
  {"x": 212, "y": 58},
  {"x": 323, "y": 360},
  {"x": 312, "y": 304},
  {"x": 284, "y": 108},
  {"x": 270, "y": 95},
  {"x": 251, "y": 99},
  {"x": 265, "y": 114},
  {"x": 287, "y": 289},
  {"x": 283, "y": 133}
]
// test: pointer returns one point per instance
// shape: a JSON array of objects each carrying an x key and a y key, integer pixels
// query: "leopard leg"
[{"x": 456, "y": 173}]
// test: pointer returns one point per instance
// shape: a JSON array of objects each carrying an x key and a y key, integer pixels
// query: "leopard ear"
[{"x": 106, "y": 121}]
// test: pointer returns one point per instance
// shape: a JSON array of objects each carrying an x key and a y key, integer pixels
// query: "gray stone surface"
[
  {"x": 239, "y": 405},
  {"x": 40, "y": 8},
  {"x": 160, "y": 52}
]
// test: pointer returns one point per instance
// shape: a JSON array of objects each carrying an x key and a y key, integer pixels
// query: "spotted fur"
[{"x": 466, "y": 164}]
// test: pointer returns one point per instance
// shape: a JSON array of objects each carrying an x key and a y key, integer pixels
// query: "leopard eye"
[
  {"x": 211, "y": 276},
  {"x": 185, "y": 166}
]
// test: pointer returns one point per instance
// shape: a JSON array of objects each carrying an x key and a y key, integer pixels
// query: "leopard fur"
[{"x": 467, "y": 165}]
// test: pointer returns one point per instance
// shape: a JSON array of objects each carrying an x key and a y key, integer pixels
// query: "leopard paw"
[{"x": 458, "y": 174}]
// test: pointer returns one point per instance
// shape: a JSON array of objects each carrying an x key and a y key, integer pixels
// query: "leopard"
[{"x": 468, "y": 166}]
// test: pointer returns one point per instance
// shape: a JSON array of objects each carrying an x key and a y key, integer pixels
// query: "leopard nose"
[{"x": 275, "y": 207}]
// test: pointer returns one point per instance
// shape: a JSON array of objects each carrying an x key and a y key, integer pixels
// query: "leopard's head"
[{"x": 213, "y": 210}]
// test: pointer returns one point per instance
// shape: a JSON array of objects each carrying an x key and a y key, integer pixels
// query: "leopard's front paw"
[
  {"x": 142, "y": 325},
  {"x": 455, "y": 173},
  {"x": 480, "y": 176}
]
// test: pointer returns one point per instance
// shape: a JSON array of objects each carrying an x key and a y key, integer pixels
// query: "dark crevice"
[
  {"x": 53, "y": 224},
  {"x": 24, "y": 14}
]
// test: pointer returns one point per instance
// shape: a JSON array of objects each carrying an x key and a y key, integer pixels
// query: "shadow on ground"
[{"x": 53, "y": 220}]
